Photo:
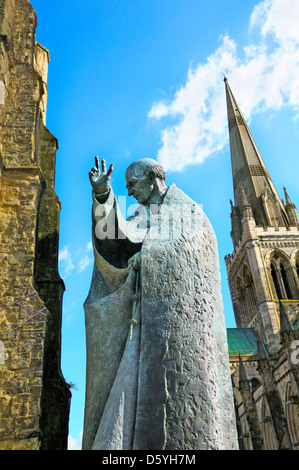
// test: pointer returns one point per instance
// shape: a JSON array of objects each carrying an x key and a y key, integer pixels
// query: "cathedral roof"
[{"x": 241, "y": 341}]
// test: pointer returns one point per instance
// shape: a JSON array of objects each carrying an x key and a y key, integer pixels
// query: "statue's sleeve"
[{"x": 110, "y": 234}]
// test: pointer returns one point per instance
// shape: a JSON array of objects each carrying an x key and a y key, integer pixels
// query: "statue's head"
[{"x": 145, "y": 180}]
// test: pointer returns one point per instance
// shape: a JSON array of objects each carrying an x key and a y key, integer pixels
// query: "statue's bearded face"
[{"x": 139, "y": 185}]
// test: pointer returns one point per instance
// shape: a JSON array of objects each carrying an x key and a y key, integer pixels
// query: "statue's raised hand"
[{"x": 100, "y": 180}]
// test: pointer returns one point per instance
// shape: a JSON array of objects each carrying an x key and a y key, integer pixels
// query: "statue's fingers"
[
  {"x": 96, "y": 159},
  {"x": 110, "y": 170},
  {"x": 103, "y": 166}
]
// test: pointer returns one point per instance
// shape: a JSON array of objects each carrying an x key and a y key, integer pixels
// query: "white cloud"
[
  {"x": 65, "y": 262},
  {"x": 265, "y": 75},
  {"x": 279, "y": 17},
  {"x": 75, "y": 443},
  {"x": 85, "y": 260},
  {"x": 68, "y": 262}
]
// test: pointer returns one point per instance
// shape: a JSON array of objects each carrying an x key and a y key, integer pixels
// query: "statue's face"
[{"x": 139, "y": 185}]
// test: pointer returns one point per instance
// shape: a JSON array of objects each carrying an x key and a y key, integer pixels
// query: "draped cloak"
[{"x": 157, "y": 373}]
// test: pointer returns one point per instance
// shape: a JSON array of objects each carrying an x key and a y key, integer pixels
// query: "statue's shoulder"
[{"x": 175, "y": 196}]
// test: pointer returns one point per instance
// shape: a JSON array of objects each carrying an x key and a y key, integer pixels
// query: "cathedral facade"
[{"x": 263, "y": 277}]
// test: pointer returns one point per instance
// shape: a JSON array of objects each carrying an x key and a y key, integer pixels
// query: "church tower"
[
  {"x": 264, "y": 266},
  {"x": 34, "y": 396},
  {"x": 263, "y": 277}
]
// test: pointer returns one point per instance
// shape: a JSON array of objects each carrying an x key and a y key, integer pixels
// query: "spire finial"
[
  {"x": 285, "y": 324},
  {"x": 244, "y": 200},
  {"x": 261, "y": 350},
  {"x": 288, "y": 200}
]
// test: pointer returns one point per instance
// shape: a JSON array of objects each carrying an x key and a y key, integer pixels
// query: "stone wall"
[{"x": 31, "y": 288}]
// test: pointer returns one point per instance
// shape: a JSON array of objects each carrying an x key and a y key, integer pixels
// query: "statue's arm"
[
  {"x": 108, "y": 221},
  {"x": 111, "y": 235},
  {"x": 102, "y": 206},
  {"x": 104, "y": 201}
]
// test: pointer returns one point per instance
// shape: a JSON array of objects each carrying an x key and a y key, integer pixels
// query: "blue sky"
[{"x": 144, "y": 78}]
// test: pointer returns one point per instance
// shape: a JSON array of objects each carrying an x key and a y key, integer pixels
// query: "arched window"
[
  {"x": 243, "y": 307},
  {"x": 282, "y": 277},
  {"x": 254, "y": 383},
  {"x": 266, "y": 427},
  {"x": 292, "y": 417},
  {"x": 285, "y": 281},
  {"x": 296, "y": 272},
  {"x": 250, "y": 293},
  {"x": 274, "y": 275}
]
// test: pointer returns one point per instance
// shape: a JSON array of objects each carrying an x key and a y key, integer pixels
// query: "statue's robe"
[{"x": 161, "y": 381}]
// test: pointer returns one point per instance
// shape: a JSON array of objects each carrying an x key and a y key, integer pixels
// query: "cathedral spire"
[{"x": 250, "y": 172}]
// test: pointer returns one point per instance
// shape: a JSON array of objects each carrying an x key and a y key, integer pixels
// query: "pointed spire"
[
  {"x": 244, "y": 200},
  {"x": 242, "y": 372},
  {"x": 246, "y": 207},
  {"x": 285, "y": 324},
  {"x": 287, "y": 198},
  {"x": 248, "y": 168},
  {"x": 291, "y": 210},
  {"x": 261, "y": 350}
]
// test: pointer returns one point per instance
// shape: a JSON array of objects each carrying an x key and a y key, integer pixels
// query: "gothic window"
[
  {"x": 276, "y": 282},
  {"x": 296, "y": 273},
  {"x": 285, "y": 281},
  {"x": 246, "y": 298},
  {"x": 254, "y": 383},
  {"x": 250, "y": 293},
  {"x": 266, "y": 427},
  {"x": 282, "y": 277},
  {"x": 243, "y": 307},
  {"x": 292, "y": 417}
]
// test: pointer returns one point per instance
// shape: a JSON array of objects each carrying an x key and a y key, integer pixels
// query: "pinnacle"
[
  {"x": 261, "y": 350},
  {"x": 288, "y": 200},
  {"x": 285, "y": 324},
  {"x": 242, "y": 372}
]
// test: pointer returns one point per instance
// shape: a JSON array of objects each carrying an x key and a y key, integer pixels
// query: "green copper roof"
[{"x": 241, "y": 341}]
